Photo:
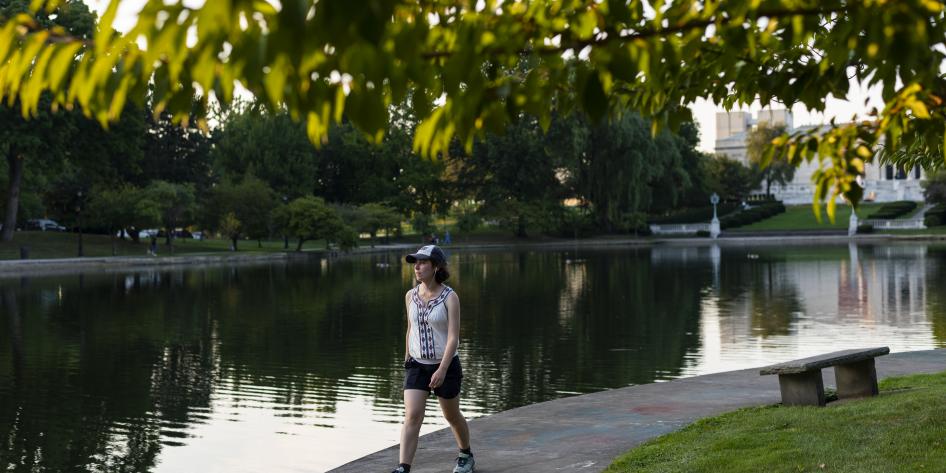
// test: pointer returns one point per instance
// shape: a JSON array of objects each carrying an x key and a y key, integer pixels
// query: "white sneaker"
[{"x": 464, "y": 463}]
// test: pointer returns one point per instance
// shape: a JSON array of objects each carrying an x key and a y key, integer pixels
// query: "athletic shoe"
[
  {"x": 399, "y": 469},
  {"x": 464, "y": 463}
]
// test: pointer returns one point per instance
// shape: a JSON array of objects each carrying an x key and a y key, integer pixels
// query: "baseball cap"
[{"x": 431, "y": 252}]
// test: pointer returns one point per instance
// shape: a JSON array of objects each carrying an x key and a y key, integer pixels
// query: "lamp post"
[
  {"x": 79, "y": 218},
  {"x": 285, "y": 232},
  {"x": 714, "y": 224}
]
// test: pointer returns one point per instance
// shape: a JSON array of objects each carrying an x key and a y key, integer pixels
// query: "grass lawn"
[
  {"x": 802, "y": 217},
  {"x": 44, "y": 245},
  {"x": 902, "y": 430}
]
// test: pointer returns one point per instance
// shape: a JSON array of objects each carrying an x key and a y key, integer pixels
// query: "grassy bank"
[
  {"x": 802, "y": 217},
  {"x": 902, "y": 430},
  {"x": 44, "y": 245}
]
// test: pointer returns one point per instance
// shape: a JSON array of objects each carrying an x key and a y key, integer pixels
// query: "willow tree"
[{"x": 458, "y": 63}]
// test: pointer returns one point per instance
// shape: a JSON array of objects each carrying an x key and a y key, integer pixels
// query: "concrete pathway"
[{"x": 585, "y": 433}]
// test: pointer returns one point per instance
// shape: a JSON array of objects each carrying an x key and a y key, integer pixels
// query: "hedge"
[
  {"x": 752, "y": 215},
  {"x": 892, "y": 210},
  {"x": 694, "y": 215}
]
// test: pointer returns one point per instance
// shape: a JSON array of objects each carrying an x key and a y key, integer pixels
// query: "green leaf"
[
  {"x": 61, "y": 62},
  {"x": 104, "y": 36},
  {"x": 7, "y": 39},
  {"x": 919, "y": 109},
  {"x": 316, "y": 129},
  {"x": 584, "y": 25},
  {"x": 275, "y": 79}
]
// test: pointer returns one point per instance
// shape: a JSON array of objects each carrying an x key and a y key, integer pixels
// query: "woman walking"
[{"x": 431, "y": 362}]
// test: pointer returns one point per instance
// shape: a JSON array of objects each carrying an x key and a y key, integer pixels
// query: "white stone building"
[{"x": 881, "y": 183}]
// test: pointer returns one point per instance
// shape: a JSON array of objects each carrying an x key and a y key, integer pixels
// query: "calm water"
[{"x": 296, "y": 367}]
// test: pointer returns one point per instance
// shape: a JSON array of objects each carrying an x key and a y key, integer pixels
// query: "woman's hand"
[{"x": 436, "y": 379}]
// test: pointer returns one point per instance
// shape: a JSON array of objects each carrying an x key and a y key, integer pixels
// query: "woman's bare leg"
[
  {"x": 414, "y": 402},
  {"x": 451, "y": 412}
]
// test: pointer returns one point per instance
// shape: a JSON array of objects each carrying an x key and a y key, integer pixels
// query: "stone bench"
[{"x": 801, "y": 384}]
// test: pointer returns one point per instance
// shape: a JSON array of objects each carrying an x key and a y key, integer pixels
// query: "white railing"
[
  {"x": 679, "y": 228},
  {"x": 904, "y": 224}
]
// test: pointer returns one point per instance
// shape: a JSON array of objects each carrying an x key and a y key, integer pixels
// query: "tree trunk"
[
  {"x": 233, "y": 243},
  {"x": 15, "y": 164},
  {"x": 768, "y": 187},
  {"x": 167, "y": 236},
  {"x": 299, "y": 246},
  {"x": 521, "y": 227},
  {"x": 259, "y": 243}
]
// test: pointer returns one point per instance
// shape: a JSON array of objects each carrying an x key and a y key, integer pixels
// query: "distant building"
[{"x": 881, "y": 183}]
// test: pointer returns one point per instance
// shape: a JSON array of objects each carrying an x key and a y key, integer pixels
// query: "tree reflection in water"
[{"x": 118, "y": 371}]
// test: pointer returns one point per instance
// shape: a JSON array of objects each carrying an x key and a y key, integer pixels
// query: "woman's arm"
[
  {"x": 453, "y": 339},
  {"x": 407, "y": 336}
]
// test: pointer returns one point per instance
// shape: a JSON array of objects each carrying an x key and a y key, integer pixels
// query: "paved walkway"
[{"x": 585, "y": 433}]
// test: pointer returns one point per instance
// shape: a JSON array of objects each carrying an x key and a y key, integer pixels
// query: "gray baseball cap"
[{"x": 429, "y": 252}]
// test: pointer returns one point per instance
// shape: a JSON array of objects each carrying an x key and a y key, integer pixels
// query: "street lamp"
[
  {"x": 79, "y": 218},
  {"x": 714, "y": 224},
  {"x": 285, "y": 232}
]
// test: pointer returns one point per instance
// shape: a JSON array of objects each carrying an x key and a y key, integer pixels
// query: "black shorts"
[{"x": 417, "y": 376}]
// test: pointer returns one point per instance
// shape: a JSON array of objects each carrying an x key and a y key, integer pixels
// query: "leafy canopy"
[{"x": 459, "y": 63}]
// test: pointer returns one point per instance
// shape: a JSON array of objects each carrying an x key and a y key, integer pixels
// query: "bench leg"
[
  {"x": 856, "y": 379},
  {"x": 802, "y": 389}
]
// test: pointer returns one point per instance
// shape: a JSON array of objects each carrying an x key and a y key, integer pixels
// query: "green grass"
[
  {"x": 902, "y": 430},
  {"x": 44, "y": 245},
  {"x": 802, "y": 217}
]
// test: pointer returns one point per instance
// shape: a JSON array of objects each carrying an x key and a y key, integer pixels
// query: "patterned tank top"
[{"x": 429, "y": 321}]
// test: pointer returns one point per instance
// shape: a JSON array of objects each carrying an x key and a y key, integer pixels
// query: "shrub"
[
  {"x": 702, "y": 233},
  {"x": 577, "y": 222},
  {"x": 694, "y": 215},
  {"x": 934, "y": 187},
  {"x": 892, "y": 210},
  {"x": 632, "y": 222},
  {"x": 935, "y": 216},
  {"x": 865, "y": 228},
  {"x": 752, "y": 215},
  {"x": 468, "y": 221}
]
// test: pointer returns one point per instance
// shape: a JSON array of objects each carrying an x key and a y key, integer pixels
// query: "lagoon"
[{"x": 295, "y": 366}]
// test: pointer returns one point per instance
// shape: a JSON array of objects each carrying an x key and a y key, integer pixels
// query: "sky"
[{"x": 704, "y": 111}]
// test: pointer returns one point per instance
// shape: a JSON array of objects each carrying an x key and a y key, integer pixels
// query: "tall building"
[{"x": 881, "y": 183}]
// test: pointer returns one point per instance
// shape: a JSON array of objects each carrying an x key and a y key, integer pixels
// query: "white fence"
[
  {"x": 905, "y": 224},
  {"x": 679, "y": 228}
]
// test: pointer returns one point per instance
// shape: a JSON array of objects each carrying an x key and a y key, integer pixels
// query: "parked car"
[
  {"x": 148, "y": 233},
  {"x": 44, "y": 224}
]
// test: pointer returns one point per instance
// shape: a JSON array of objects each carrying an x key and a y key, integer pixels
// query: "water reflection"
[
  {"x": 787, "y": 303},
  {"x": 295, "y": 366}
]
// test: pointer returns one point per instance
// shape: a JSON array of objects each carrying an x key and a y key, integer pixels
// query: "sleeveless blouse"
[{"x": 428, "y": 337}]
